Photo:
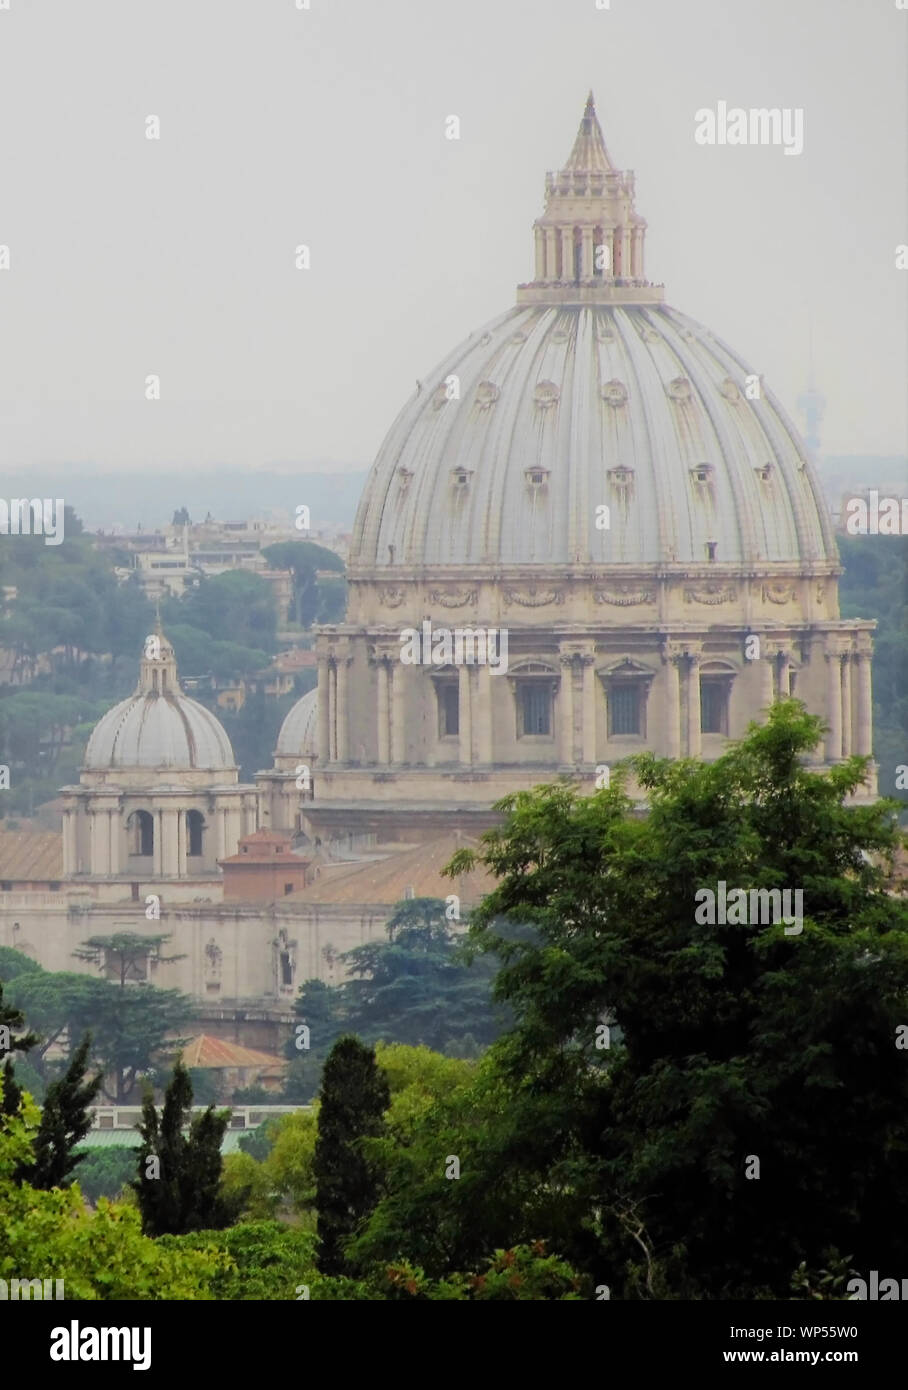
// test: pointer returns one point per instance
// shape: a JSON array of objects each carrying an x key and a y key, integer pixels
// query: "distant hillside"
[
  {"x": 110, "y": 499},
  {"x": 840, "y": 473}
]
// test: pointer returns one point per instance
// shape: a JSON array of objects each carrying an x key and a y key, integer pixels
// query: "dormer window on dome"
[
  {"x": 764, "y": 472},
  {"x": 537, "y": 477},
  {"x": 461, "y": 476},
  {"x": 702, "y": 472},
  {"x": 621, "y": 476}
]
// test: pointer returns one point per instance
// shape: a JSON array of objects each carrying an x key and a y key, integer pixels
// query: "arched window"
[
  {"x": 140, "y": 831},
  {"x": 195, "y": 825}
]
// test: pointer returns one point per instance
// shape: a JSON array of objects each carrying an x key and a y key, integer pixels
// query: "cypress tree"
[
  {"x": 64, "y": 1122},
  {"x": 179, "y": 1174},
  {"x": 354, "y": 1097}
]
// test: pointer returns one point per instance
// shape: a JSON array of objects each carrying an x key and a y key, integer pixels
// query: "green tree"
[
  {"x": 65, "y": 1120},
  {"x": 354, "y": 1097},
  {"x": 259, "y": 1259},
  {"x": 235, "y": 607},
  {"x": 739, "y": 1042},
  {"x": 13, "y": 963},
  {"x": 419, "y": 987},
  {"x": 98, "y": 1255},
  {"x": 107, "y": 1171},
  {"x": 133, "y": 1021},
  {"x": 124, "y": 956},
  {"x": 12, "y": 1018},
  {"x": 304, "y": 559},
  {"x": 179, "y": 1174}
]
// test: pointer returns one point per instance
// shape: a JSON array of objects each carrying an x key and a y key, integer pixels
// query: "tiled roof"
[
  {"x": 31, "y": 856},
  {"x": 386, "y": 881},
  {"x": 205, "y": 1051}
]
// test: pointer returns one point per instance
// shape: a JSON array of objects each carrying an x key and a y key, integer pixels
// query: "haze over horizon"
[{"x": 326, "y": 128}]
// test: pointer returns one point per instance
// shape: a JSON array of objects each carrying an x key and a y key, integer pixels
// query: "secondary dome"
[
  {"x": 159, "y": 726},
  {"x": 591, "y": 393},
  {"x": 299, "y": 732}
]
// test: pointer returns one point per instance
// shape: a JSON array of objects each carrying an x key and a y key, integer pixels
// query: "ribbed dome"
[
  {"x": 159, "y": 726},
  {"x": 299, "y": 732},
  {"x": 567, "y": 408}
]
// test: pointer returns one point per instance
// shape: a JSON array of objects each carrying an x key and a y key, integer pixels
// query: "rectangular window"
[
  {"x": 536, "y": 708},
  {"x": 449, "y": 710},
  {"x": 625, "y": 705},
  {"x": 713, "y": 706}
]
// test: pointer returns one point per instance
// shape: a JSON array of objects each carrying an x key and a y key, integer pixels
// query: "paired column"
[
  {"x": 567, "y": 253},
  {"x": 834, "y": 705},
  {"x": 181, "y": 844},
  {"x": 158, "y": 856},
  {"x": 113, "y": 841},
  {"x": 100, "y": 841},
  {"x": 566, "y": 707},
  {"x": 465, "y": 716},
  {"x": 626, "y": 252},
  {"x": 540, "y": 253},
  {"x": 70, "y": 857},
  {"x": 846, "y": 705},
  {"x": 324, "y": 710},
  {"x": 765, "y": 664},
  {"x": 589, "y": 708},
  {"x": 586, "y": 263},
  {"x": 637, "y": 254},
  {"x": 864, "y": 701},
  {"x": 671, "y": 657},
  {"x": 551, "y": 262},
  {"x": 396, "y": 692},
  {"x": 169, "y": 846},
  {"x": 384, "y": 710},
  {"x": 484, "y": 714},
  {"x": 340, "y": 710},
  {"x": 694, "y": 735}
]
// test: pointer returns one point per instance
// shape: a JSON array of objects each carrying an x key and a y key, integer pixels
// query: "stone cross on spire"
[{"x": 589, "y": 240}]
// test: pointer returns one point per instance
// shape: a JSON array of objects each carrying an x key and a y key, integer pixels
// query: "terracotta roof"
[
  {"x": 34, "y": 856},
  {"x": 386, "y": 881},
  {"x": 205, "y": 1051},
  {"x": 299, "y": 657},
  {"x": 262, "y": 849}
]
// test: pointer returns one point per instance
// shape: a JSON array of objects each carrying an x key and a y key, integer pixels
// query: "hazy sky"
[{"x": 282, "y": 126}]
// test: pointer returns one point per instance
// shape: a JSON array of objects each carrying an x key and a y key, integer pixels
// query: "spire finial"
[{"x": 589, "y": 155}]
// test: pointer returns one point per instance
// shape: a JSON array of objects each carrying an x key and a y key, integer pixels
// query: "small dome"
[
  {"x": 159, "y": 726},
  {"x": 299, "y": 732}
]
